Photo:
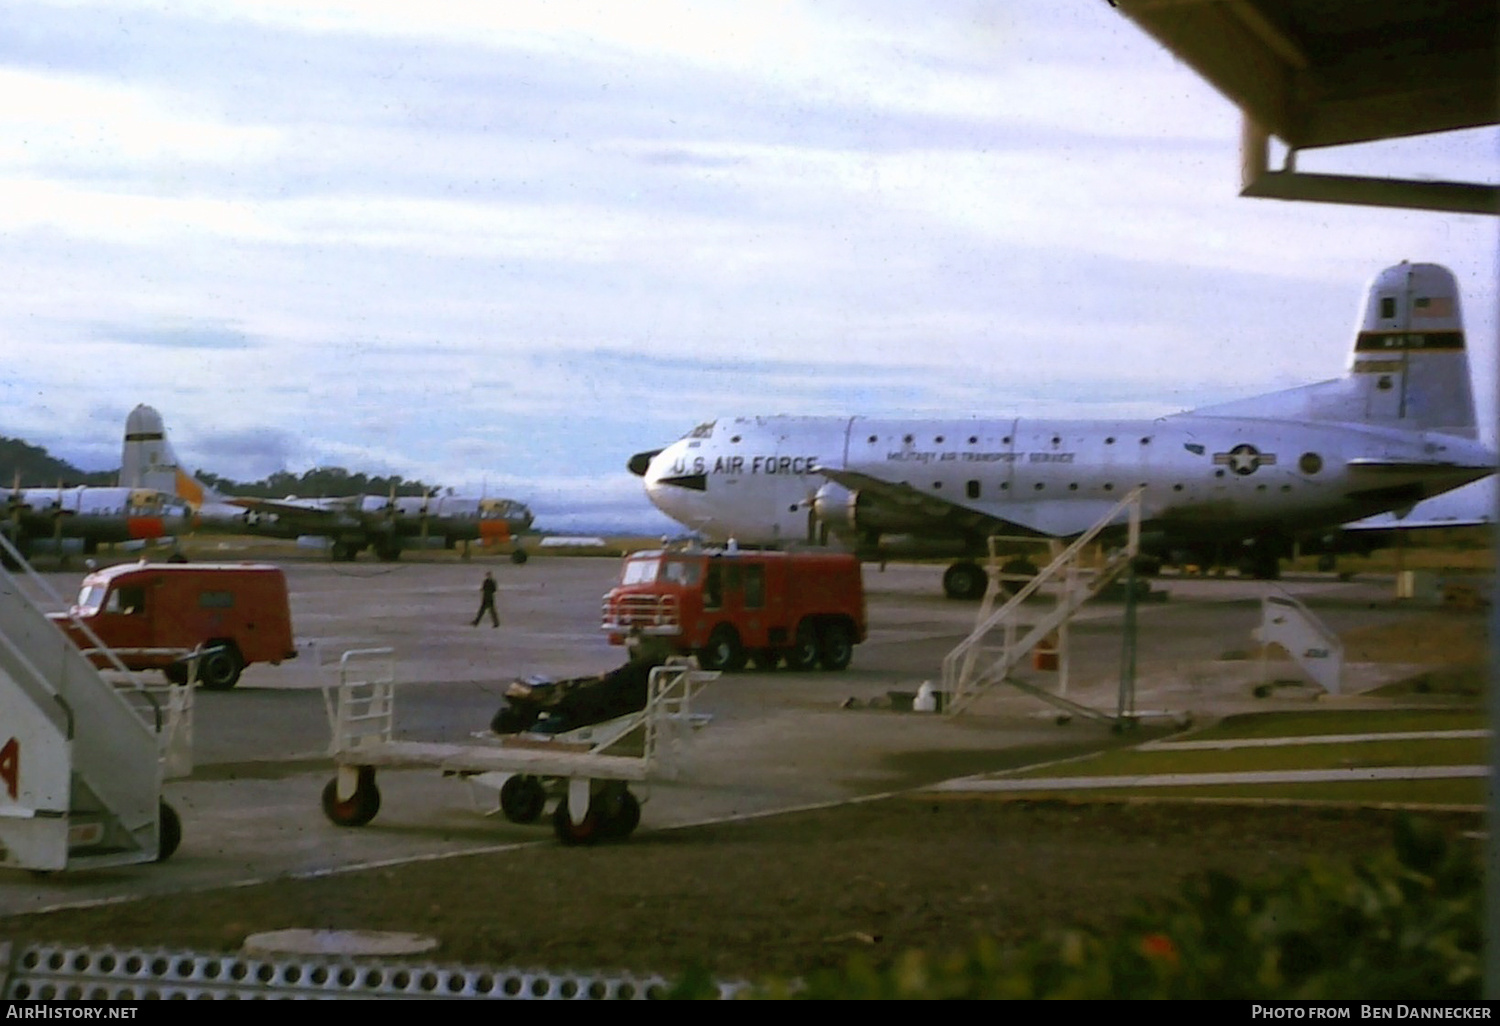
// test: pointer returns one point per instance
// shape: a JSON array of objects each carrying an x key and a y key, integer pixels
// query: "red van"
[
  {"x": 730, "y": 606},
  {"x": 151, "y": 614}
]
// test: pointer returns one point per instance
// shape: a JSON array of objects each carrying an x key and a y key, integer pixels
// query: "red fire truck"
[{"x": 729, "y": 606}]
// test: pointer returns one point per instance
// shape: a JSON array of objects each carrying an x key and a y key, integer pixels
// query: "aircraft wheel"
[
  {"x": 168, "y": 831},
  {"x": 519, "y": 556},
  {"x": 522, "y": 799},
  {"x": 723, "y": 651},
  {"x": 587, "y": 832},
  {"x": 219, "y": 668},
  {"x": 835, "y": 647},
  {"x": 803, "y": 655},
  {"x": 360, "y": 807},
  {"x": 965, "y": 582}
]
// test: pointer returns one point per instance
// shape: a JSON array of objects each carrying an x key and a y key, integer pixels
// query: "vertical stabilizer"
[
  {"x": 1409, "y": 369},
  {"x": 1410, "y": 362},
  {"x": 147, "y": 460}
]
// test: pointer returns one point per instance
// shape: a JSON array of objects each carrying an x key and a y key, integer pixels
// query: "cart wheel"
[
  {"x": 522, "y": 799},
  {"x": 622, "y": 813},
  {"x": 571, "y": 833},
  {"x": 168, "y": 831},
  {"x": 360, "y": 807}
]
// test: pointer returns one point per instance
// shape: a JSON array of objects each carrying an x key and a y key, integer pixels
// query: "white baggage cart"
[{"x": 589, "y": 769}]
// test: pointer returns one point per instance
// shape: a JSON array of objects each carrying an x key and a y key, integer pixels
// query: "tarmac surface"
[{"x": 776, "y": 741}]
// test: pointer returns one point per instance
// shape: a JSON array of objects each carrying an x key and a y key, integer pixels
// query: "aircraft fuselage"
[{"x": 772, "y": 480}]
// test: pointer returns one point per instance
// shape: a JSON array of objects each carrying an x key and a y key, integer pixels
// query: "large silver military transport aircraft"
[{"x": 1236, "y": 483}]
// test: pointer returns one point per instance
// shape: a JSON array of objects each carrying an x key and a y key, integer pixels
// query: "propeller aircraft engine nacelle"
[{"x": 851, "y": 514}]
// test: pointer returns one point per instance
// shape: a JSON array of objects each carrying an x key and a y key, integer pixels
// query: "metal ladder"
[{"x": 978, "y": 663}]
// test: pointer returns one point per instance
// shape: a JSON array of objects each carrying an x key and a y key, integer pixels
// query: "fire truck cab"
[{"x": 728, "y": 606}]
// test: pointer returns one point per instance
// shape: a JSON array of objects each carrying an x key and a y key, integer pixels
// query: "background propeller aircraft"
[
  {"x": 384, "y": 524},
  {"x": 81, "y": 518}
]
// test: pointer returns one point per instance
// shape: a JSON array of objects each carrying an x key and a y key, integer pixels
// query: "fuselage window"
[
  {"x": 971, "y": 489},
  {"x": 1310, "y": 463}
]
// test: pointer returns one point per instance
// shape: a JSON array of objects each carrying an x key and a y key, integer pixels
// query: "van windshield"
[{"x": 89, "y": 598}]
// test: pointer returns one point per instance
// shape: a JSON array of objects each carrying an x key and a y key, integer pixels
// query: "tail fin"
[
  {"x": 1409, "y": 369},
  {"x": 1409, "y": 361},
  {"x": 147, "y": 461}
]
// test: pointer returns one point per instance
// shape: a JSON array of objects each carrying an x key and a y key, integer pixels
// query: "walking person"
[{"x": 487, "y": 601}]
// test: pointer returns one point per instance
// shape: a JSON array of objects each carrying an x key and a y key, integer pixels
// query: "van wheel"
[
  {"x": 803, "y": 655},
  {"x": 835, "y": 647},
  {"x": 723, "y": 651},
  {"x": 219, "y": 669}
]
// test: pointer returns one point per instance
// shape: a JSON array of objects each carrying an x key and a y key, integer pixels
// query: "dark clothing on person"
[{"x": 487, "y": 602}]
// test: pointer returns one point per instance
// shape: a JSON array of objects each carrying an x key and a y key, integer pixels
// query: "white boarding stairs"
[
  {"x": 80, "y": 768},
  {"x": 978, "y": 663},
  {"x": 1308, "y": 640}
]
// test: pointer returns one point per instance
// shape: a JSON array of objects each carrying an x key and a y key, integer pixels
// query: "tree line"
[{"x": 31, "y": 466}]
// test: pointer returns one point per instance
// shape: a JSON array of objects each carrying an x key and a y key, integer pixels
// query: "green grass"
[
  {"x": 1131, "y": 762},
  {"x": 1340, "y": 721},
  {"x": 1303, "y": 724},
  {"x": 1364, "y": 792}
]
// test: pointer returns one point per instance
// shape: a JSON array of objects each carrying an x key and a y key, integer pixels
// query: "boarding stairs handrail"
[{"x": 965, "y": 676}]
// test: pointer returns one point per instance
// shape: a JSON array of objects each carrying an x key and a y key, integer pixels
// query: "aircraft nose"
[{"x": 641, "y": 462}]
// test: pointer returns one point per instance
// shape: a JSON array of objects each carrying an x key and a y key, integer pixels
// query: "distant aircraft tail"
[
  {"x": 1409, "y": 369},
  {"x": 147, "y": 461}
]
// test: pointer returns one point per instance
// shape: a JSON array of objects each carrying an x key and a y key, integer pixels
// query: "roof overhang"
[{"x": 1336, "y": 72}]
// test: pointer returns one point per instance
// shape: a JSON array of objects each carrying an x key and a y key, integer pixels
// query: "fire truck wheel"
[
  {"x": 803, "y": 655},
  {"x": 723, "y": 651},
  {"x": 219, "y": 668},
  {"x": 570, "y": 833},
  {"x": 835, "y": 647},
  {"x": 360, "y": 807},
  {"x": 168, "y": 831},
  {"x": 522, "y": 799}
]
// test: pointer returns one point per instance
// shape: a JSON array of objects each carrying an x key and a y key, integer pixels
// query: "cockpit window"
[{"x": 702, "y": 431}]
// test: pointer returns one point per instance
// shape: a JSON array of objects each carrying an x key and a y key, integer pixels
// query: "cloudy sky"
[{"x": 502, "y": 246}]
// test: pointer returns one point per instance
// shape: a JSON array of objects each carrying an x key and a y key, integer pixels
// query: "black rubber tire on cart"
[
  {"x": 621, "y": 812},
  {"x": 522, "y": 799},
  {"x": 168, "y": 831},
  {"x": 569, "y": 833},
  {"x": 360, "y": 807}
]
